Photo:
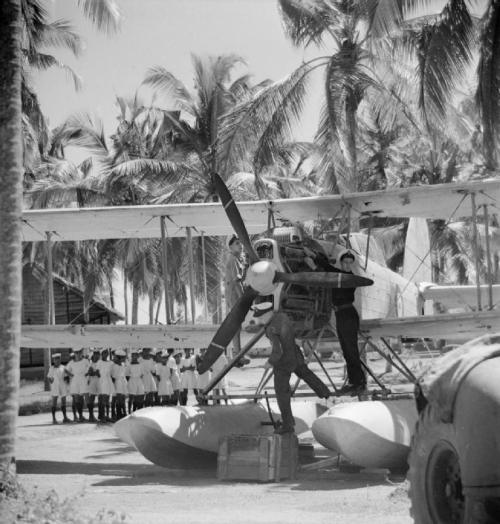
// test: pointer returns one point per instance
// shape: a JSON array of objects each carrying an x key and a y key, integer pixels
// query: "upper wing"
[
  {"x": 456, "y": 327},
  {"x": 459, "y": 296},
  {"x": 444, "y": 201}
]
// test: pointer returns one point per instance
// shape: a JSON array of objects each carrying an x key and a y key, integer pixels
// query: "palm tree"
[
  {"x": 10, "y": 229},
  {"x": 195, "y": 128},
  {"x": 130, "y": 170},
  {"x": 444, "y": 45},
  {"x": 264, "y": 123}
]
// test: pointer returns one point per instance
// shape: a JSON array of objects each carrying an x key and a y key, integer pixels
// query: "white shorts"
[
  {"x": 106, "y": 386},
  {"x": 165, "y": 388},
  {"x": 176, "y": 381},
  {"x": 149, "y": 383},
  {"x": 121, "y": 386},
  {"x": 135, "y": 386},
  {"x": 188, "y": 380},
  {"x": 58, "y": 389},
  {"x": 78, "y": 386},
  {"x": 93, "y": 386}
]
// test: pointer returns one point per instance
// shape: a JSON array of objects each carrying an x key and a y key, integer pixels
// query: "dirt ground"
[{"x": 88, "y": 462}]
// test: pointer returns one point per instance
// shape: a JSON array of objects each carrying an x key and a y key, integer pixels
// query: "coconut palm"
[
  {"x": 445, "y": 46},
  {"x": 266, "y": 122},
  {"x": 194, "y": 135},
  {"x": 10, "y": 229}
]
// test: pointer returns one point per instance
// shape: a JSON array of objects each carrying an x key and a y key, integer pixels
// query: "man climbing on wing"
[
  {"x": 347, "y": 320},
  {"x": 287, "y": 358}
]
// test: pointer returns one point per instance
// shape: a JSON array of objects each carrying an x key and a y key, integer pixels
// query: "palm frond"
[
  {"x": 104, "y": 14},
  {"x": 159, "y": 78},
  {"x": 383, "y": 17},
  {"x": 307, "y": 21},
  {"x": 444, "y": 52},
  {"x": 488, "y": 88},
  {"x": 43, "y": 61},
  {"x": 145, "y": 169},
  {"x": 82, "y": 130},
  {"x": 258, "y": 127},
  {"x": 59, "y": 34}
]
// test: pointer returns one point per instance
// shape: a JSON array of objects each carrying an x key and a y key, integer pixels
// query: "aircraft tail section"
[{"x": 417, "y": 262}]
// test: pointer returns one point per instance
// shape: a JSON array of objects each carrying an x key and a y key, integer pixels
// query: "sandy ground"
[{"x": 88, "y": 462}]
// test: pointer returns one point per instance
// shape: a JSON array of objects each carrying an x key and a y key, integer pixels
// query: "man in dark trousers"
[
  {"x": 347, "y": 320},
  {"x": 287, "y": 358}
]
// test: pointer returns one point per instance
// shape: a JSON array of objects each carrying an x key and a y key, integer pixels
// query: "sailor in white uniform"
[
  {"x": 188, "y": 375},
  {"x": 77, "y": 369},
  {"x": 163, "y": 372},
  {"x": 157, "y": 353},
  {"x": 203, "y": 378},
  {"x": 217, "y": 367},
  {"x": 105, "y": 385},
  {"x": 93, "y": 383},
  {"x": 148, "y": 367},
  {"x": 120, "y": 382},
  {"x": 135, "y": 385},
  {"x": 172, "y": 363},
  {"x": 58, "y": 386}
]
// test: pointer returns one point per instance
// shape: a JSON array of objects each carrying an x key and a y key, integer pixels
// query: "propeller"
[
  {"x": 323, "y": 279},
  {"x": 227, "y": 330},
  {"x": 262, "y": 279},
  {"x": 234, "y": 216}
]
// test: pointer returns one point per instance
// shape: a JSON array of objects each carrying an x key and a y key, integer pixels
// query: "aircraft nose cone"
[{"x": 260, "y": 276}]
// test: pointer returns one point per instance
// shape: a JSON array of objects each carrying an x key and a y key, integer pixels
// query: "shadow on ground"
[{"x": 126, "y": 474}]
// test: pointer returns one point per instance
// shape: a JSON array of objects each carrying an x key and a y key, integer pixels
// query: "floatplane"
[{"x": 370, "y": 433}]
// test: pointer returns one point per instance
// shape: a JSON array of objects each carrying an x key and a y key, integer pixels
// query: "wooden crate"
[{"x": 258, "y": 458}]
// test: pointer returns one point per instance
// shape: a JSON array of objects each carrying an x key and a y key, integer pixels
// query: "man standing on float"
[
  {"x": 347, "y": 321},
  {"x": 287, "y": 358}
]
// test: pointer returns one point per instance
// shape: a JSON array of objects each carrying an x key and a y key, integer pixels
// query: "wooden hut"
[{"x": 68, "y": 305}]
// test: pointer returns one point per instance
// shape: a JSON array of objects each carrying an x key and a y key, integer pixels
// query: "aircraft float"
[{"x": 371, "y": 433}]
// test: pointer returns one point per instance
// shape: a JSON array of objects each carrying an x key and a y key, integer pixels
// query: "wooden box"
[{"x": 258, "y": 458}]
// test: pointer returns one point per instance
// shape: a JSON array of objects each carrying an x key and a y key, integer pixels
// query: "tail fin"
[{"x": 417, "y": 263}]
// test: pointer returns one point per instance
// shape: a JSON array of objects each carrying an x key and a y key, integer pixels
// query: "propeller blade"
[
  {"x": 234, "y": 216},
  {"x": 323, "y": 279},
  {"x": 227, "y": 330}
]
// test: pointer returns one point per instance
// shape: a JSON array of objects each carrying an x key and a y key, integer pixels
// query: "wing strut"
[
  {"x": 476, "y": 249},
  {"x": 488, "y": 256}
]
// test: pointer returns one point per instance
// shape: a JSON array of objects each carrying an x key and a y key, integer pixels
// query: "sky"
[{"x": 166, "y": 33}]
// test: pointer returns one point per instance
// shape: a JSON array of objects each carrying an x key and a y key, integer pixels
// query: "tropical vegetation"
[{"x": 396, "y": 112}]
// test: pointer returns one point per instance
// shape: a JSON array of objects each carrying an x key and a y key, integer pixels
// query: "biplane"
[{"x": 393, "y": 306}]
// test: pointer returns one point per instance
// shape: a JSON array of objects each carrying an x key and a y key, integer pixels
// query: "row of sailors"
[{"x": 163, "y": 377}]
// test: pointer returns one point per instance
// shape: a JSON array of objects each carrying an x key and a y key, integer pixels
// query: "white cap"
[
  {"x": 56, "y": 355},
  {"x": 135, "y": 351},
  {"x": 345, "y": 252},
  {"x": 120, "y": 353}
]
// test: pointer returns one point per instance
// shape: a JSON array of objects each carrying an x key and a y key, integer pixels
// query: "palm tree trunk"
[
  {"x": 185, "y": 303},
  {"x": 125, "y": 296},
  {"x": 135, "y": 302},
  {"x": 158, "y": 306},
  {"x": 11, "y": 197},
  {"x": 111, "y": 291},
  {"x": 151, "y": 306}
]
